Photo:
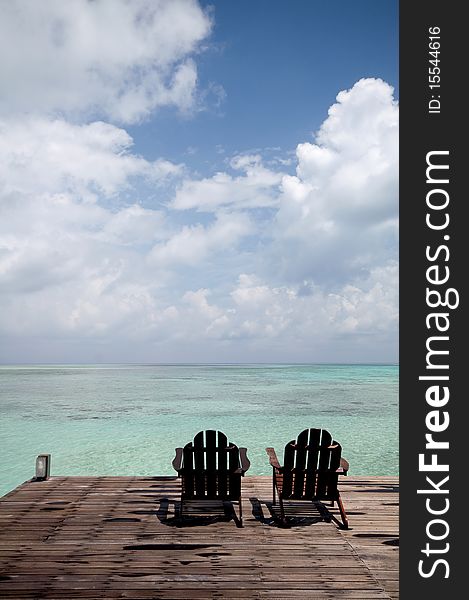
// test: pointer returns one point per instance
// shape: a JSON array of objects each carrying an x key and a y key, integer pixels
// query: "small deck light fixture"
[{"x": 42, "y": 467}]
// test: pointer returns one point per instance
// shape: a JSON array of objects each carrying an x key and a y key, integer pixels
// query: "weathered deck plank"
[{"x": 118, "y": 537}]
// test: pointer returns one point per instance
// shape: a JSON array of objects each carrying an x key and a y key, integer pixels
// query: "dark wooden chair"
[
  {"x": 211, "y": 469},
  {"x": 311, "y": 468}
]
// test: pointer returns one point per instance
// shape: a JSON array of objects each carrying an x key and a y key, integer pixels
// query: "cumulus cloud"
[
  {"x": 111, "y": 58},
  {"x": 340, "y": 209}
]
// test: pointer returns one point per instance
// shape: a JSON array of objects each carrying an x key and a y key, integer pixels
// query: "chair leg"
[
  {"x": 342, "y": 511},
  {"x": 282, "y": 510},
  {"x": 273, "y": 488},
  {"x": 181, "y": 514},
  {"x": 240, "y": 512}
]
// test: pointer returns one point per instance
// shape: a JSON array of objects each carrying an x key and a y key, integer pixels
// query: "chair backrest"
[
  {"x": 309, "y": 466},
  {"x": 209, "y": 467}
]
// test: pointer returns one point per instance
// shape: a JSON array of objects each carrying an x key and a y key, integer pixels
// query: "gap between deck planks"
[{"x": 118, "y": 537}]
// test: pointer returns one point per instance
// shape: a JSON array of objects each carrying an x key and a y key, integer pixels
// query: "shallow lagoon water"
[{"x": 127, "y": 419}]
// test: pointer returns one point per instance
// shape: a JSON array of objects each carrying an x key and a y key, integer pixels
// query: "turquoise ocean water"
[{"x": 127, "y": 419}]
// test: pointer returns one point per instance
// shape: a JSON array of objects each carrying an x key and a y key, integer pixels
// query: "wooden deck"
[{"x": 118, "y": 537}]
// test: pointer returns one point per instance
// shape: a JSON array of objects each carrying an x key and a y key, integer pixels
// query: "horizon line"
[{"x": 208, "y": 363}]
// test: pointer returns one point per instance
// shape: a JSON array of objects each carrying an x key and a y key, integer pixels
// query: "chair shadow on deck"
[
  {"x": 299, "y": 515},
  {"x": 310, "y": 514},
  {"x": 223, "y": 512}
]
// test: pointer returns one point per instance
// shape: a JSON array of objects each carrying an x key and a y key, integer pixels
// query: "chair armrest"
[
  {"x": 244, "y": 460},
  {"x": 273, "y": 458},
  {"x": 344, "y": 467},
  {"x": 177, "y": 462}
]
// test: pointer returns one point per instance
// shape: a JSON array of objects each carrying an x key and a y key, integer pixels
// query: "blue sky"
[
  {"x": 190, "y": 181},
  {"x": 270, "y": 57}
]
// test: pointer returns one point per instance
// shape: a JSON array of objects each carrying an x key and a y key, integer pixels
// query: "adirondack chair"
[
  {"x": 211, "y": 469},
  {"x": 311, "y": 468}
]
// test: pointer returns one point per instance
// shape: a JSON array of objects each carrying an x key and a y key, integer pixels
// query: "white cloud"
[
  {"x": 133, "y": 225},
  {"x": 38, "y": 155},
  {"x": 257, "y": 187},
  {"x": 109, "y": 58},
  {"x": 193, "y": 245},
  {"x": 369, "y": 108},
  {"x": 359, "y": 308}
]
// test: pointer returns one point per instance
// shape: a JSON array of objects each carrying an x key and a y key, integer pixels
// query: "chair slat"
[
  {"x": 334, "y": 464},
  {"x": 222, "y": 465},
  {"x": 323, "y": 464},
  {"x": 234, "y": 479},
  {"x": 288, "y": 463},
  {"x": 312, "y": 462},
  {"x": 188, "y": 473},
  {"x": 199, "y": 464},
  {"x": 300, "y": 463},
  {"x": 211, "y": 462}
]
